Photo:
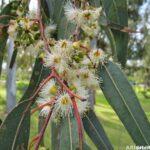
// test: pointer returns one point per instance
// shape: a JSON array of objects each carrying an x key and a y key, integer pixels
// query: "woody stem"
[
  {"x": 41, "y": 134},
  {"x": 41, "y": 106},
  {"x": 64, "y": 86},
  {"x": 42, "y": 27}
]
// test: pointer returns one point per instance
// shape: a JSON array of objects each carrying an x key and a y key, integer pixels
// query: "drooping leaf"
[
  {"x": 17, "y": 123},
  {"x": 116, "y": 12},
  {"x": 86, "y": 146},
  {"x": 55, "y": 128},
  {"x": 8, "y": 10},
  {"x": 65, "y": 29},
  {"x": 58, "y": 11},
  {"x": 112, "y": 42},
  {"x": 39, "y": 73},
  {"x": 55, "y": 10},
  {"x": 14, "y": 126},
  {"x": 95, "y": 131},
  {"x": 124, "y": 101},
  {"x": 3, "y": 40},
  {"x": 0, "y": 121},
  {"x": 95, "y": 3},
  {"x": 66, "y": 135}
]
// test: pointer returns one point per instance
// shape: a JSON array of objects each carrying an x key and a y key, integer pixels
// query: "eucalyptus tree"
[{"x": 65, "y": 67}]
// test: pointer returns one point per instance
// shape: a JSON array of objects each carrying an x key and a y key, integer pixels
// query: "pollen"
[
  {"x": 97, "y": 53},
  {"x": 85, "y": 76},
  {"x": 76, "y": 45},
  {"x": 87, "y": 15},
  {"x": 64, "y": 44},
  {"x": 53, "y": 90},
  {"x": 57, "y": 60},
  {"x": 65, "y": 101}
]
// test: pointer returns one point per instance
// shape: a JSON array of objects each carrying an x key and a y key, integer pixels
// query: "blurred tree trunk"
[{"x": 11, "y": 79}]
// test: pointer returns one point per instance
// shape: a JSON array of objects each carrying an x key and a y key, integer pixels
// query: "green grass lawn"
[{"x": 111, "y": 123}]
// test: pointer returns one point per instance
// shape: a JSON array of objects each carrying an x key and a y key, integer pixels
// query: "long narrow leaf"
[
  {"x": 95, "y": 131},
  {"x": 122, "y": 98},
  {"x": 14, "y": 126},
  {"x": 116, "y": 11}
]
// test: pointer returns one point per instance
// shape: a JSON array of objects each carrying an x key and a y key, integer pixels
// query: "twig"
[
  {"x": 43, "y": 105},
  {"x": 42, "y": 26},
  {"x": 65, "y": 87},
  {"x": 41, "y": 134}
]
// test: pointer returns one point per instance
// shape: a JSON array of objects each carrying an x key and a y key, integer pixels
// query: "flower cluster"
[
  {"x": 75, "y": 63},
  {"x": 86, "y": 19},
  {"x": 23, "y": 31},
  {"x": 26, "y": 35}
]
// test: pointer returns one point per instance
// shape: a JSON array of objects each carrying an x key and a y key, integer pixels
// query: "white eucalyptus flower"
[
  {"x": 49, "y": 30},
  {"x": 56, "y": 60},
  {"x": 88, "y": 78},
  {"x": 96, "y": 56},
  {"x": 71, "y": 12},
  {"x": 49, "y": 89},
  {"x": 63, "y": 104},
  {"x": 83, "y": 106},
  {"x": 12, "y": 30},
  {"x": 45, "y": 111}
]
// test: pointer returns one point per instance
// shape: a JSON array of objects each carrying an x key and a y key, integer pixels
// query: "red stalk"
[
  {"x": 65, "y": 87},
  {"x": 41, "y": 134},
  {"x": 41, "y": 106},
  {"x": 42, "y": 27},
  {"x": 40, "y": 87}
]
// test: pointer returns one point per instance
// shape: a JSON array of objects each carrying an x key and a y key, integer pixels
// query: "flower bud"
[{"x": 76, "y": 45}]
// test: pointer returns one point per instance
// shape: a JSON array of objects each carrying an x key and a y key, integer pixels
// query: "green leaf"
[
  {"x": 55, "y": 10},
  {"x": 13, "y": 131},
  {"x": 66, "y": 137},
  {"x": 124, "y": 101},
  {"x": 39, "y": 73},
  {"x": 94, "y": 3},
  {"x": 0, "y": 121},
  {"x": 116, "y": 12},
  {"x": 3, "y": 40},
  {"x": 95, "y": 131},
  {"x": 3, "y": 32},
  {"x": 58, "y": 11},
  {"x": 86, "y": 146},
  {"x": 55, "y": 128},
  {"x": 112, "y": 41},
  {"x": 16, "y": 126},
  {"x": 65, "y": 29}
]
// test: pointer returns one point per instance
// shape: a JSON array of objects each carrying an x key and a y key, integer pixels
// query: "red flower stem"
[
  {"x": 42, "y": 26},
  {"x": 33, "y": 141},
  {"x": 4, "y": 16},
  {"x": 40, "y": 87},
  {"x": 65, "y": 87},
  {"x": 2, "y": 26},
  {"x": 79, "y": 122},
  {"x": 41, "y": 106},
  {"x": 41, "y": 134}
]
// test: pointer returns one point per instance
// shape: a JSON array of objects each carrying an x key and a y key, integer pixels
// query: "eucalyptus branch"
[{"x": 41, "y": 134}]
